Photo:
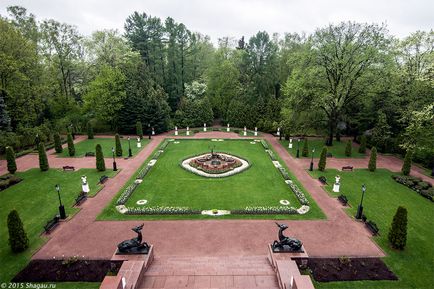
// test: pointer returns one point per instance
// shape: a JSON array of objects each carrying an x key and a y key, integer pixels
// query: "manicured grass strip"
[
  {"x": 88, "y": 145},
  {"x": 337, "y": 150},
  {"x": 167, "y": 184},
  {"x": 36, "y": 201},
  {"x": 415, "y": 265}
]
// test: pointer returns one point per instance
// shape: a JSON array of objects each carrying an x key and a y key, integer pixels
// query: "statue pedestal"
[
  {"x": 176, "y": 132},
  {"x": 256, "y": 133},
  {"x": 336, "y": 188},
  {"x": 139, "y": 145},
  {"x": 228, "y": 129},
  {"x": 245, "y": 133},
  {"x": 85, "y": 188},
  {"x": 290, "y": 145},
  {"x": 188, "y": 132}
]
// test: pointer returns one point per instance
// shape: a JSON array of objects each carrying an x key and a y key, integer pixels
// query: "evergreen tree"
[
  {"x": 372, "y": 166},
  {"x": 305, "y": 151},
  {"x": 348, "y": 148},
  {"x": 10, "y": 157},
  {"x": 118, "y": 145},
  {"x": 89, "y": 130},
  {"x": 100, "y": 164},
  {"x": 43, "y": 160},
  {"x": 362, "y": 147},
  {"x": 322, "y": 159},
  {"x": 406, "y": 166},
  {"x": 71, "y": 146},
  {"x": 17, "y": 236},
  {"x": 139, "y": 129},
  {"x": 58, "y": 143},
  {"x": 398, "y": 231}
]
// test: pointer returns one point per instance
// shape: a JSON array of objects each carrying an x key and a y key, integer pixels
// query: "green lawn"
[
  {"x": 337, "y": 150},
  {"x": 415, "y": 265},
  {"x": 36, "y": 201},
  {"x": 168, "y": 184},
  {"x": 88, "y": 145}
]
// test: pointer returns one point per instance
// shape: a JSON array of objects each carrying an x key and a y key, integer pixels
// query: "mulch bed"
[
  {"x": 70, "y": 270},
  {"x": 349, "y": 269}
]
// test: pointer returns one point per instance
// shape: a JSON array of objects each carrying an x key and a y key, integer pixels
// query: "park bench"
[
  {"x": 89, "y": 154},
  {"x": 372, "y": 227},
  {"x": 329, "y": 155},
  {"x": 51, "y": 224},
  {"x": 80, "y": 199},
  {"x": 103, "y": 179},
  {"x": 347, "y": 168},
  {"x": 343, "y": 199},
  {"x": 68, "y": 168},
  {"x": 323, "y": 180}
]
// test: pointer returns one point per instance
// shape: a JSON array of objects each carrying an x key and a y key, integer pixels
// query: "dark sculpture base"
[
  {"x": 134, "y": 251},
  {"x": 286, "y": 249}
]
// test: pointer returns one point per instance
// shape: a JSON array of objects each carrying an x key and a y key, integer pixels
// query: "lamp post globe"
[
  {"x": 360, "y": 207},
  {"x": 62, "y": 212},
  {"x": 114, "y": 160}
]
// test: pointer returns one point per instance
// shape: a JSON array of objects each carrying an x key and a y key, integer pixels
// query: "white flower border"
[{"x": 244, "y": 165}]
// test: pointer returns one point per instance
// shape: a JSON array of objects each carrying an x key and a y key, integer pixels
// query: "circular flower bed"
[
  {"x": 141, "y": 202},
  {"x": 284, "y": 202}
]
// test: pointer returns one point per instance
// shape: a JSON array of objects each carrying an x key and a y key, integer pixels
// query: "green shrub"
[
  {"x": 71, "y": 146},
  {"x": 43, "y": 160},
  {"x": 322, "y": 159},
  {"x": 348, "y": 148},
  {"x": 57, "y": 143},
  {"x": 372, "y": 166},
  {"x": 305, "y": 151},
  {"x": 17, "y": 236},
  {"x": 139, "y": 129},
  {"x": 100, "y": 164},
  {"x": 118, "y": 145},
  {"x": 10, "y": 157},
  {"x": 90, "y": 130},
  {"x": 362, "y": 147},
  {"x": 406, "y": 166},
  {"x": 398, "y": 230}
]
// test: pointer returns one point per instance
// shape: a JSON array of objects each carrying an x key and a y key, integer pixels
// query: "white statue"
[
  {"x": 245, "y": 131},
  {"x": 256, "y": 131},
  {"x": 139, "y": 144},
  {"x": 228, "y": 129},
  {"x": 278, "y": 131},
  {"x": 204, "y": 126},
  {"x": 176, "y": 130},
  {"x": 188, "y": 130},
  {"x": 290, "y": 143},
  {"x": 153, "y": 131},
  {"x": 337, "y": 184},
  {"x": 84, "y": 185}
]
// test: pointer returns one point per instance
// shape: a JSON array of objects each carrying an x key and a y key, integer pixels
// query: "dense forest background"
[{"x": 343, "y": 79}]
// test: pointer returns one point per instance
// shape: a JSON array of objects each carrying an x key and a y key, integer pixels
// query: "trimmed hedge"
[
  {"x": 10, "y": 157},
  {"x": 416, "y": 184}
]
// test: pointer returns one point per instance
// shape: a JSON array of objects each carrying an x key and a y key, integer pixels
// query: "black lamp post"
[
  {"x": 61, "y": 207},
  {"x": 311, "y": 161},
  {"x": 360, "y": 207},
  {"x": 149, "y": 130},
  {"x": 280, "y": 134},
  {"x": 114, "y": 160},
  {"x": 298, "y": 148},
  {"x": 130, "y": 153}
]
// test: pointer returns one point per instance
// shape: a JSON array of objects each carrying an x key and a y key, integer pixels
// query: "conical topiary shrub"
[
  {"x": 305, "y": 151},
  {"x": 139, "y": 129},
  {"x": 89, "y": 130},
  {"x": 43, "y": 160},
  {"x": 100, "y": 164},
  {"x": 348, "y": 148},
  {"x": 71, "y": 146},
  {"x": 372, "y": 166},
  {"x": 398, "y": 231},
  {"x": 322, "y": 159},
  {"x": 10, "y": 158},
  {"x": 362, "y": 147},
  {"x": 57, "y": 143},
  {"x": 118, "y": 145},
  {"x": 17, "y": 236},
  {"x": 406, "y": 166}
]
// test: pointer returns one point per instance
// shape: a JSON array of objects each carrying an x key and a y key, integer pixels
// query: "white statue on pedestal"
[
  {"x": 84, "y": 185},
  {"x": 290, "y": 143},
  {"x": 188, "y": 130},
  {"x": 278, "y": 131},
  {"x": 256, "y": 131},
  {"x": 228, "y": 129},
  {"x": 204, "y": 127},
  {"x": 337, "y": 184},
  {"x": 139, "y": 144},
  {"x": 153, "y": 131},
  {"x": 245, "y": 131},
  {"x": 176, "y": 130}
]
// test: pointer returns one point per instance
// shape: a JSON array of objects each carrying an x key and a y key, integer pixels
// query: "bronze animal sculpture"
[
  {"x": 134, "y": 245},
  {"x": 286, "y": 244}
]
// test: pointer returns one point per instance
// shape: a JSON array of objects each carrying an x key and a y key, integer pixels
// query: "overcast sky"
[{"x": 236, "y": 18}]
